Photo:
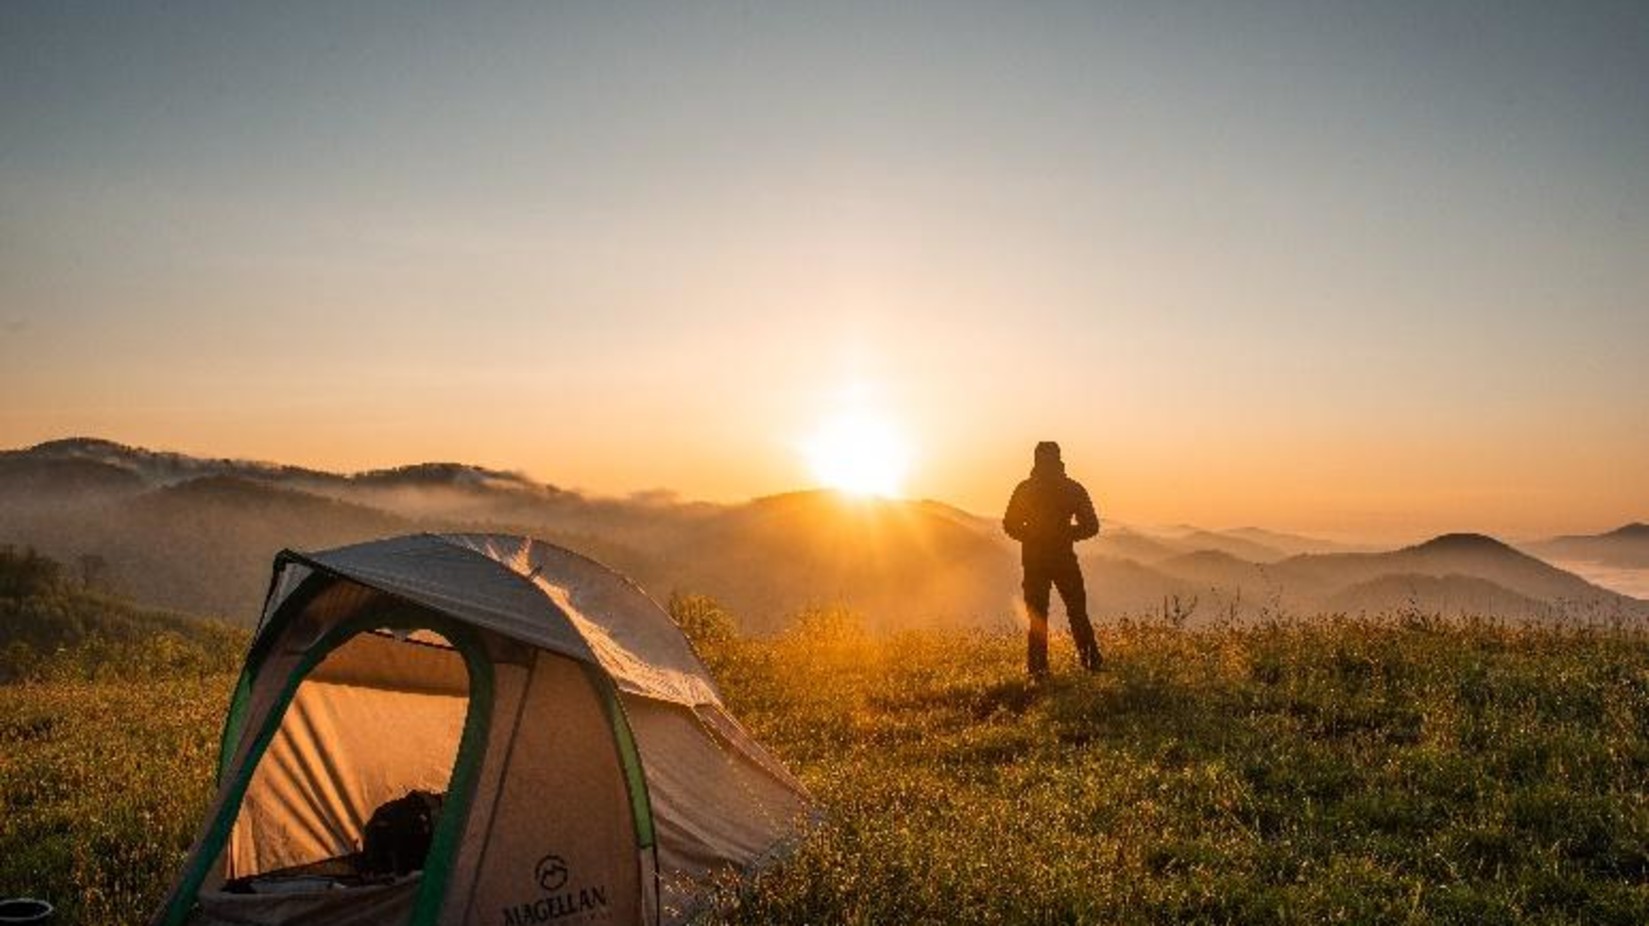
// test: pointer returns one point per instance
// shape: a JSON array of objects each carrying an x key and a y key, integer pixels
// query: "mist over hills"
[
  {"x": 1625, "y": 547},
  {"x": 197, "y": 535},
  {"x": 1452, "y": 574},
  {"x": 1292, "y": 544}
]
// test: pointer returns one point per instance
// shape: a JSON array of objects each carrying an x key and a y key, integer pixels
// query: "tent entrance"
[
  {"x": 377, "y": 707},
  {"x": 378, "y": 720}
]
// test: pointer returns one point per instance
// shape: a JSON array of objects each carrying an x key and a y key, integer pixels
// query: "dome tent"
[{"x": 588, "y": 767}]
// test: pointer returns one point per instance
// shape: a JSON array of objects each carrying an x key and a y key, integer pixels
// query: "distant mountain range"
[
  {"x": 1623, "y": 548},
  {"x": 198, "y": 534}
]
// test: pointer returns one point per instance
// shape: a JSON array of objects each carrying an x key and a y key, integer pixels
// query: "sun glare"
[{"x": 860, "y": 454}]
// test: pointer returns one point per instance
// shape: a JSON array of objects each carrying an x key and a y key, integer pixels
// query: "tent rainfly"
[{"x": 572, "y": 757}]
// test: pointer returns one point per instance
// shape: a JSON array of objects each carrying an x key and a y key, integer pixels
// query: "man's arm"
[
  {"x": 1013, "y": 522},
  {"x": 1087, "y": 520}
]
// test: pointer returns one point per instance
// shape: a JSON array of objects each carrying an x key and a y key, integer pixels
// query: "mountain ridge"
[
  {"x": 197, "y": 535},
  {"x": 1625, "y": 547}
]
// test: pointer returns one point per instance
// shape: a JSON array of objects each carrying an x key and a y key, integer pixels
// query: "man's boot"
[
  {"x": 1036, "y": 660},
  {"x": 1036, "y": 644},
  {"x": 1087, "y": 648}
]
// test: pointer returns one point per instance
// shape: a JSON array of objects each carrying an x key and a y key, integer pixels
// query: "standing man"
[{"x": 1048, "y": 514}]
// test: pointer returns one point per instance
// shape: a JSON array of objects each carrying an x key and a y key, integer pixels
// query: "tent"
[{"x": 587, "y": 768}]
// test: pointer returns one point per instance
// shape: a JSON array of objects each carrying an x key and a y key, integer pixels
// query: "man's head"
[{"x": 1047, "y": 453}]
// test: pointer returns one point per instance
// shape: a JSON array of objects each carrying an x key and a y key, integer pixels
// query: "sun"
[{"x": 859, "y": 453}]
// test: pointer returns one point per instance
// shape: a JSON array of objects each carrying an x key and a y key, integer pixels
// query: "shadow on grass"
[
  {"x": 1015, "y": 696},
  {"x": 1135, "y": 706}
]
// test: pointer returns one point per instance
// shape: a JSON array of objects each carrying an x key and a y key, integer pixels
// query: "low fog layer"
[{"x": 198, "y": 535}]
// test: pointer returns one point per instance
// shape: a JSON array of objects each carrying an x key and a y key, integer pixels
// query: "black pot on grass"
[{"x": 18, "y": 910}]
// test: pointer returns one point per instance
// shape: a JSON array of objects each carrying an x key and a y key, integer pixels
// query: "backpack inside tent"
[{"x": 475, "y": 728}]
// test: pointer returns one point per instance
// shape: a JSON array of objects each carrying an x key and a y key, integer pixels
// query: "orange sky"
[{"x": 1342, "y": 274}]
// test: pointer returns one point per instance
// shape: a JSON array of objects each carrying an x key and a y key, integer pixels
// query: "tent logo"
[
  {"x": 559, "y": 901},
  {"x": 551, "y": 873}
]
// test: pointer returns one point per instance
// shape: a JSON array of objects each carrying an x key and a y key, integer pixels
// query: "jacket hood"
[
  {"x": 1048, "y": 469},
  {"x": 1048, "y": 463}
]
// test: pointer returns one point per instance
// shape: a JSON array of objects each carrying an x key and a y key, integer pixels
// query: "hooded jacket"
[{"x": 1049, "y": 512}]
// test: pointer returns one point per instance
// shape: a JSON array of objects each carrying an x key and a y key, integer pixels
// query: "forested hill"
[
  {"x": 197, "y": 535},
  {"x": 55, "y": 624}
]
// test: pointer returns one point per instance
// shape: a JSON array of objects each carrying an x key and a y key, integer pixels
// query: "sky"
[{"x": 1358, "y": 269}]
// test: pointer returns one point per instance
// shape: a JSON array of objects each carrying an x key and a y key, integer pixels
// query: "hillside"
[
  {"x": 202, "y": 545},
  {"x": 27, "y": 480},
  {"x": 1239, "y": 547},
  {"x": 153, "y": 467},
  {"x": 1454, "y": 573},
  {"x": 1124, "y": 543},
  {"x": 1292, "y": 544},
  {"x": 1473, "y": 555},
  {"x": 1345, "y": 771},
  {"x": 53, "y": 625},
  {"x": 1625, "y": 547},
  {"x": 1450, "y": 595},
  {"x": 198, "y": 535},
  {"x": 912, "y": 565}
]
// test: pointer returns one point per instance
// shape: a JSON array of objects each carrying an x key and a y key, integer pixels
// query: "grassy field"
[
  {"x": 1339, "y": 771},
  {"x": 102, "y": 786}
]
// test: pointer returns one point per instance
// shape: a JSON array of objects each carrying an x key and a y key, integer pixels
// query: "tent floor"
[{"x": 310, "y": 898}]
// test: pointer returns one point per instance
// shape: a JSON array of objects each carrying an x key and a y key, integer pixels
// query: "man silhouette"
[{"x": 1048, "y": 514}]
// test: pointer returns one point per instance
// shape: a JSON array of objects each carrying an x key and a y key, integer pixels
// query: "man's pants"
[{"x": 1067, "y": 576}]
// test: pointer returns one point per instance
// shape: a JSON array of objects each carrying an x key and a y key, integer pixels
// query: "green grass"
[
  {"x": 102, "y": 786},
  {"x": 1342, "y": 771},
  {"x": 1335, "y": 772}
]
